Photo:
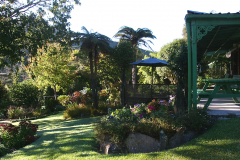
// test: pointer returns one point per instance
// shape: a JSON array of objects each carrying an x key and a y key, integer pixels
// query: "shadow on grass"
[
  {"x": 74, "y": 139},
  {"x": 60, "y": 138},
  {"x": 222, "y": 141}
]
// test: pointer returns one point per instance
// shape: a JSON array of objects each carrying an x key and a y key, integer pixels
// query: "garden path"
[{"x": 221, "y": 106}]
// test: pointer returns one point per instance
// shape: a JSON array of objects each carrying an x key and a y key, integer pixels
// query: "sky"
[{"x": 165, "y": 18}]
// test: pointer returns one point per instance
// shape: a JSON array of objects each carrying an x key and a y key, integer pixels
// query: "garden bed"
[{"x": 148, "y": 128}]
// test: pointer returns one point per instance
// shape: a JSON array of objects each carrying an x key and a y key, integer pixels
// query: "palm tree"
[
  {"x": 137, "y": 38},
  {"x": 93, "y": 44}
]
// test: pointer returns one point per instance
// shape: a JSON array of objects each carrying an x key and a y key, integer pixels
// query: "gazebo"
[{"x": 210, "y": 35}]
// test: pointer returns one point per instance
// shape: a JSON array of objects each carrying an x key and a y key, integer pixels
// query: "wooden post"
[
  {"x": 194, "y": 64},
  {"x": 189, "y": 66}
]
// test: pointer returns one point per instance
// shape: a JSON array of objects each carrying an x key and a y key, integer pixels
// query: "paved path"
[{"x": 221, "y": 106}]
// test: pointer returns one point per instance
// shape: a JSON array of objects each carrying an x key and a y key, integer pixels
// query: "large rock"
[
  {"x": 140, "y": 143},
  {"x": 108, "y": 147},
  {"x": 189, "y": 136},
  {"x": 163, "y": 140},
  {"x": 176, "y": 140}
]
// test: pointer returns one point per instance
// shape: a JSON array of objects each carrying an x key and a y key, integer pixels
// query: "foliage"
[
  {"x": 103, "y": 95},
  {"x": 3, "y": 150},
  {"x": 177, "y": 59},
  {"x": 146, "y": 73},
  {"x": 50, "y": 104},
  {"x": 123, "y": 55},
  {"x": 76, "y": 97},
  {"x": 17, "y": 137},
  {"x": 157, "y": 114},
  {"x": 114, "y": 93},
  {"x": 214, "y": 73},
  {"x": 104, "y": 108},
  {"x": 77, "y": 139},
  {"x": 108, "y": 71},
  {"x": 15, "y": 112},
  {"x": 64, "y": 100},
  {"x": 197, "y": 120},
  {"x": 52, "y": 67},
  {"x": 76, "y": 111},
  {"x": 4, "y": 98},
  {"x": 25, "y": 94},
  {"x": 27, "y": 25},
  {"x": 136, "y": 38},
  {"x": 93, "y": 44}
]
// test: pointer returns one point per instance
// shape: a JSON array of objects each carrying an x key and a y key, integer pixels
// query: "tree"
[
  {"x": 53, "y": 67},
  {"x": 123, "y": 55},
  {"x": 137, "y": 38},
  {"x": 93, "y": 44},
  {"x": 178, "y": 64},
  {"x": 176, "y": 54},
  {"x": 25, "y": 26}
]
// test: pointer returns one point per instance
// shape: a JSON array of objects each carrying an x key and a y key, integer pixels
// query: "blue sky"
[{"x": 164, "y": 17}]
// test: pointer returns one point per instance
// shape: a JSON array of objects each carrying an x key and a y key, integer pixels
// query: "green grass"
[{"x": 74, "y": 139}]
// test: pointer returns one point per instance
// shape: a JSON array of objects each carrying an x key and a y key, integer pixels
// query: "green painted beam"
[
  {"x": 215, "y": 52},
  {"x": 189, "y": 67},
  {"x": 194, "y": 65},
  {"x": 218, "y": 17}
]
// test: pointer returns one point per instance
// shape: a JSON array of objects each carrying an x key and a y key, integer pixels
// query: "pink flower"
[
  {"x": 151, "y": 108},
  {"x": 140, "y": 116}
]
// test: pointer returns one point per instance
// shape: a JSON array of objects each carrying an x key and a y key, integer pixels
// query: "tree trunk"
[
  {"x": 134, "y": 74},
  {"x": 92, "y": 78},
  {"x": 55, "y": 92},
  {"x": 134, "y": 69},
  {"x": 179, "y": 100},
  {"x": 95, "y": 81},
  {"x": 123, "y": 79}
]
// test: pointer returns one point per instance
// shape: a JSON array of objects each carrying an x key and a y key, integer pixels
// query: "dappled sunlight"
[
  {"x": 74, "y": 139},
  {"x": 57, "y": 137}
]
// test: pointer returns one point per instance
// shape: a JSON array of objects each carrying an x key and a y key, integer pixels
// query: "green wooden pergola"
[{"x": 208, "y": 35}]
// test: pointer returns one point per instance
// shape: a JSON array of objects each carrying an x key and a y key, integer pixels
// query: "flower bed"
[
  {"x": 155, "y": 120},
  {"x": 15, "y": 137}
]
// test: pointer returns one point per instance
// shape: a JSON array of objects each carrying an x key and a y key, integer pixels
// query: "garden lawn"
[{"x": 74, "y": 139}]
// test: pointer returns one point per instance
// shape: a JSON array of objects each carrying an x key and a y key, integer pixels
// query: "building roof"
[{"x": 217, "y": 34}]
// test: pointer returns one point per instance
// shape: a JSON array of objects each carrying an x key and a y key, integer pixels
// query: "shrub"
[
  {"x": 103, "y": 96},
  {"x": 196, "y": 120},
  {"x": 75, "y": 111},
  {"x": 27, "y": 130},
  {"x": 3, "y": 150},
  {"x": 50, "y": 104},
  {"x": 119, "y": 123},
  {"x": 25, "y": 94},
  {"x": 15, "y": 112},
  {"x": 4, "y": 99},
  {"x": 17, "y": 137},
  {"x": 38, "y": 112},
  {"x": 122, "y": 122},
  {"x": 104, "y": 107},
  {"x": 76, "y": 97},
  {"x": 65, "y": 100}
]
